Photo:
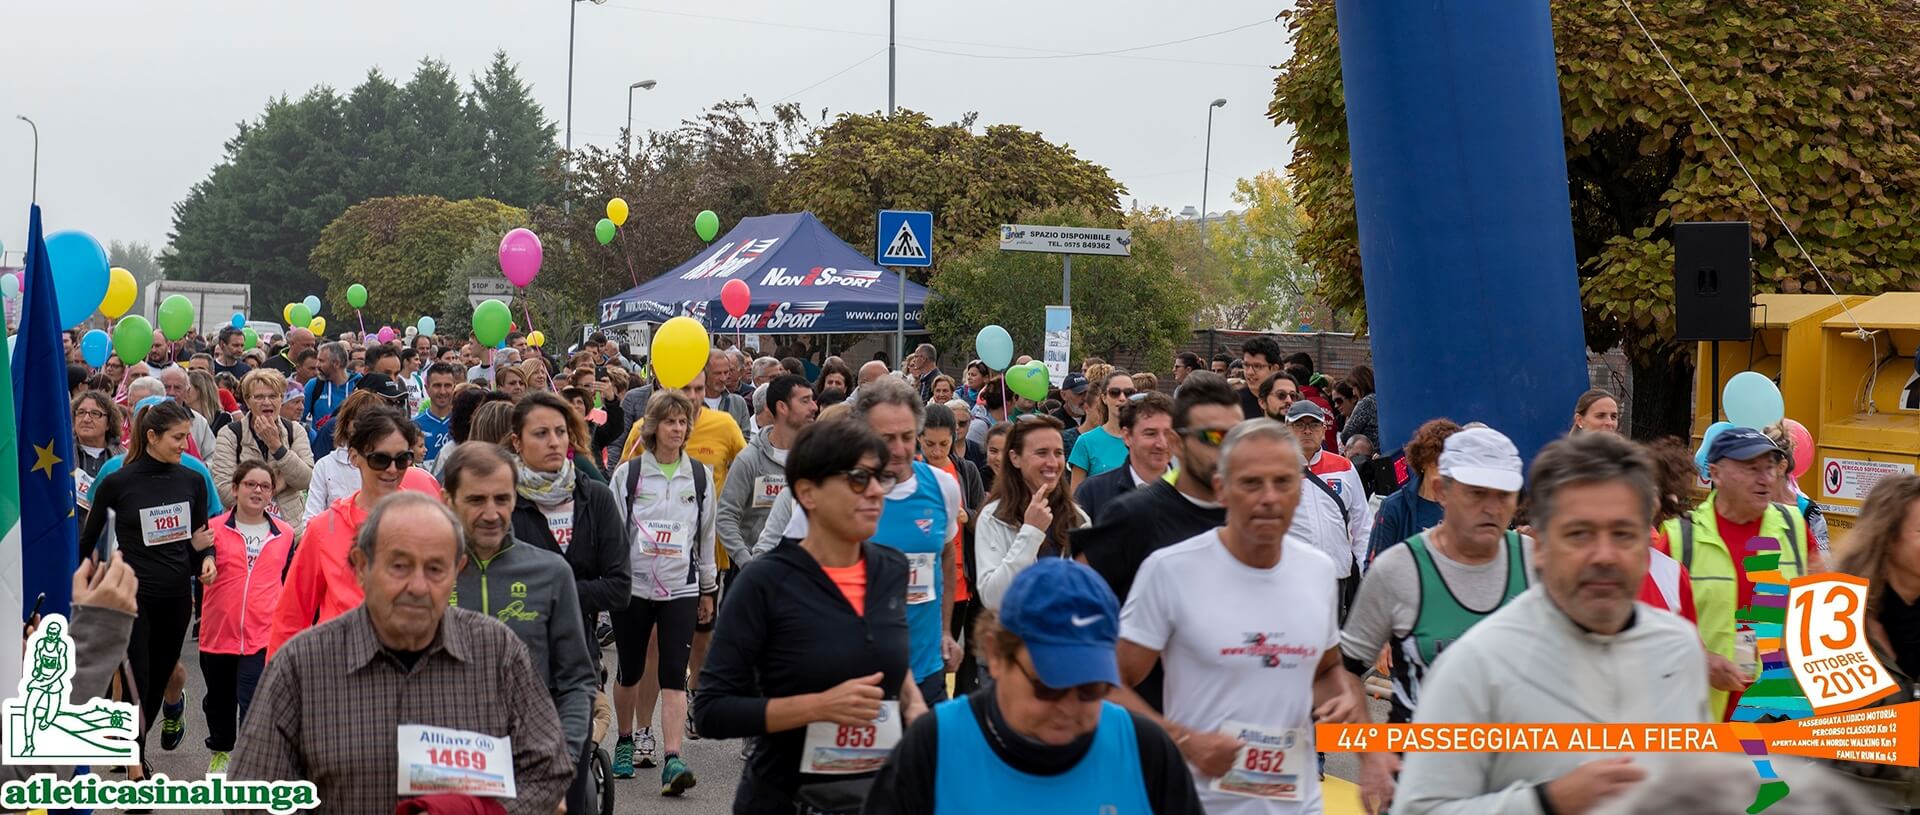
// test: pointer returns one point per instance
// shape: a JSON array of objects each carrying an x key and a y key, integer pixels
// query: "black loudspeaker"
[{"x": 1712, "y": 281}]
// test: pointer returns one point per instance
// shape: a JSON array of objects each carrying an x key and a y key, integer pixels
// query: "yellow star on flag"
[{"x": 46, "y": 459}]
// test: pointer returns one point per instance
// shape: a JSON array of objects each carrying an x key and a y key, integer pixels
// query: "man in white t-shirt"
[{"x": 1243, "y": 622}]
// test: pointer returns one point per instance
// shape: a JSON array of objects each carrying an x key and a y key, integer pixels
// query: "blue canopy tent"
[{"x": 803, "y": 278}]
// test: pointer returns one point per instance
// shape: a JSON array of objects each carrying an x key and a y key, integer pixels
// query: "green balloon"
[
  {"x": 132, "y": 338},
  {"x": 706, "y": 225},
  {"x": 301, "y": 316},
  {"x": 490, "y": 322},
  {"x": 604, "y": 230},
  {"x": 357, "y": 296},
  {"x": 251, "y": 336},
  {"x": 1029, "y": 380},
  {"x": 176, "y": 316}
]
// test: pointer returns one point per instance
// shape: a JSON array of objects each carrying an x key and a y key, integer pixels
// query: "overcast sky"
[{"x": 134, "y": 98}]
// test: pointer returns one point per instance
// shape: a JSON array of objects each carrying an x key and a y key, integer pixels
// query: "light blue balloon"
[
  {"x": 994, "y": 346},
  {"x": 79, "y": 275},
  {"x": 95, "y": 347},
  {"x": 312, "y": 303},
  {"x": 9, "y": 286},
  {"x": 239, "y": 320},
  {"x": 1706, "y": 443},
  {"x": 426, "y": 325},
  {"x": 1752, "y": 400}
]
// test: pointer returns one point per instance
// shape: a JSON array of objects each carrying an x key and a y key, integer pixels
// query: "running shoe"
[
  {"x": 746, "y": 748},
  {"x": 675, "y": 778},
  {"x": 218, "y": 764},
  {"x": 173, "y": 726},
  {"x": 603, "y": 631},
  {"x": 623, "y": 758},
  {"x": 693, "y": 733},
  {"x": 646, "y": 748}
]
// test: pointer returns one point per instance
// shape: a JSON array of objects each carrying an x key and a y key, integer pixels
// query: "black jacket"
[
  {"x": 1097, "y": 493},
  {"x": 601, "y": 568},
  {"x": 786, "y": 630}
]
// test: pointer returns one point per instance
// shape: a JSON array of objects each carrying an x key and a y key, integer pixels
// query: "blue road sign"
[{"x": 906, "y": 238}]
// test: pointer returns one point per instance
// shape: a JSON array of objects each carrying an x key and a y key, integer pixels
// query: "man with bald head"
[
  {"x": 298, "y": 340},
  {"x": 402, "y": 679},
  {"x": 874, "y": 369}
]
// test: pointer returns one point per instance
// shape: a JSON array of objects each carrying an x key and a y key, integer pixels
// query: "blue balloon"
[
  {"x": 95, "y": 347},
  {"x": 426, "y": 325},
  {"x": 79, "y": 275},
  {"x": 239, "y": 320},
  {"x": 149, "y": 402},
  {"x": 312, "y": 303},
  {"x": 1706, "y": 442},
  {"x": 1752, "y": 400},
  {"x": 994, "y": 346}
]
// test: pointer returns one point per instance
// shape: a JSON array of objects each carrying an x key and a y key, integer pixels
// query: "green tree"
[
  {"x": 1814, "y": 95},
  {"x": 516, "y": 140},
  {"x": 1128, "y": 304},
  {"x": 137, "y": 258},
  {"x": 440, "y": 136},
  {"x": 405, "y": 250},
  {"x": 972, "y": 183},
  {"x": 375, "y": 116},
  {"x": 1250, "y": 268}
]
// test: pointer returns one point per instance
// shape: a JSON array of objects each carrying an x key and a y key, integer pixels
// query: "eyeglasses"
[
  {"x": 89, "y": 414},
  {"x": 262, "y": 486},
  {"x": 1116, "y": 393},
  {"x": 1205, "y": 435},
  {"x": 859, "y": 478},
  {"x": 1287, "y": 395},
  {"x": 1090, "y": 692},
  {"x": 382, "y": 461}
]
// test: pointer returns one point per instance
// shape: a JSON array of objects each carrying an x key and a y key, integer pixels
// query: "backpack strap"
[
  {"x": 699, "y": 518},
  {"x": 1793, "y": 536},
  {"x": 633, "y": 489},
  {"x": 1346, "y": 520},
  {"x": 1686, "y": 541}
]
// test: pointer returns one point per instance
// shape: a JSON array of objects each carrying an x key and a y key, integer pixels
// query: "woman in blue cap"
[{"x": 1041, "y": 738}]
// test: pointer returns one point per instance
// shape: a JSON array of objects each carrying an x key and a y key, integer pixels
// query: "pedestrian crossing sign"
[{"x": 905, "y": 238}]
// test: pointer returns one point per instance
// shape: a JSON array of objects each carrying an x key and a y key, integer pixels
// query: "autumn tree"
[
  {"x": 405, "y": 251},
  {"x": 1816, "y": 96},
  {"x": 1247, "y": 262},
  {"x": 971, "y": 182}
]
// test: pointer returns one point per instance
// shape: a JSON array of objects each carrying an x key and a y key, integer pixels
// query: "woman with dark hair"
[
  {"x": 813, "y": 656},
  {"x": 1030, "y": 512},
  {"x": 1884, "y": 548},
  {"x": 1363, "y": 416},
  {"x": 976, "y": 378},
  {"x": 320, "y": 585},
  {"x": 96, "y": 438},
  {"x": 1596, "y": 410},
  {"x": 1667, "y": 585},
  {"x": 1100, "y": 448},
  {"x": 834, "y": 375},
  {"x": 250, "y": 552},
  {"x": 1415, "y": 506},
  {"x": 160, "y": 512}
]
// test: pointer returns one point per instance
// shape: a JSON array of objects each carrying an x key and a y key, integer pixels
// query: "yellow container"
[
  {"x": 1869, "y": 404},
  {"x": 1786, "y": 346}
]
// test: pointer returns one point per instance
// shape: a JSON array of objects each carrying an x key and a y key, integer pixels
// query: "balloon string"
[{"x": 363, "y": 323}]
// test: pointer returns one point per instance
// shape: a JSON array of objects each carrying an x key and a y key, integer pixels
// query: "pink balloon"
[
  {"x": 1802, "y": 447},
  {"x": 386, "y": 333},
  {"x": 520, "y": 256},
  {"x": 735, "y": 298}
]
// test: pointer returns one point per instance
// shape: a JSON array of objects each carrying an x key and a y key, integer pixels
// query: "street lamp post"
[
  {"x": 1206, "y": 168},
  {"x": 642, "y": 85},
  {"x": 573, "y": 7},
  {"x": 36, "y": 156}
]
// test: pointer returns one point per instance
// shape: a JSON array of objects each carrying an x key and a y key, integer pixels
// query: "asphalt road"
[{"x": 715, "y": 763}]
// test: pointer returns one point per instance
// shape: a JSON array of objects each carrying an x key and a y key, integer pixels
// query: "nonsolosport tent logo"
[
  {"x": 779, "y": 315},
  {"x": 41, "y": 725},
  {"x": 822, "y": 276}
]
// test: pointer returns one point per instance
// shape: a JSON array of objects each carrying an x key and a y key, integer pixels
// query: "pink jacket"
[{"x": 236, "y": 613}]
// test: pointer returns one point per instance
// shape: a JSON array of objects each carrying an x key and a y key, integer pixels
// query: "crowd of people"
[{"x": 1144, "y": 594}]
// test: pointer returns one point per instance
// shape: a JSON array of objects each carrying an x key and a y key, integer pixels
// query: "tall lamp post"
[
  {"x": 642, "y": 85},
  {"x": 573, "y": 8},
  {"x": 36, "y": 156},
  {"x": 1206, "y": 167}
]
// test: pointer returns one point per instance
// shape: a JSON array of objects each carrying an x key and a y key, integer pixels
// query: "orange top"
[
  {"x": 960, "y": 590},
  {"x": 852, "y": 581}
]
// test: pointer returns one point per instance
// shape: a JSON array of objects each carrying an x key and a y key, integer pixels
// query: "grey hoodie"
[
  {"x": 532, "y": 591},
  {"x": 754, "y": 482}
]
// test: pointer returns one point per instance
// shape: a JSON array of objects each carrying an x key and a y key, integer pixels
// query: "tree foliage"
[
  {"x": 972, "y": 183},
  {"x": 1129, "y": 304},
  {"x": 1249, "y": 266},
  {"x": 1816, "y": 96},
  {"x": 256, "y": 216},
  {"x": 405, "y": 250}
]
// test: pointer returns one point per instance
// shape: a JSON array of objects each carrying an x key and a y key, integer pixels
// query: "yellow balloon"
[
  {"x": 537, "y": 339},
  {"x": 679, "y": 351},
  {"x": 286, "y": 313},
  {"x": 120, "y": 293},
  {"x": 318, "y": 326},
  {"x": 617, "y": 211}
]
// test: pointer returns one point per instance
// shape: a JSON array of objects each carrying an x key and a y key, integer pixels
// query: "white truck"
[{"x": 214, "y": 304}]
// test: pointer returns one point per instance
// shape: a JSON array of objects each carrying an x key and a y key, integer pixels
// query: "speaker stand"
[{"x": 1715, "y": 345}]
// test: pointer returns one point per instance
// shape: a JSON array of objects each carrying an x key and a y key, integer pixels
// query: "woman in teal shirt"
[{"x": 1101, "y": 449}]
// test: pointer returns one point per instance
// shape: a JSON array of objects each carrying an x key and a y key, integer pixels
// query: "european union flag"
[{"x": 49, "y": 534}]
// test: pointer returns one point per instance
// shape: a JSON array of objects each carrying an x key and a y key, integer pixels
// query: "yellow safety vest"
[{"x": 1716, "y": 585}]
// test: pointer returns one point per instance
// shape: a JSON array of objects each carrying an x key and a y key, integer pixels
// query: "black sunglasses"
[
  {"x": 1090, "y": 692},
  {"x": 1116, "y": 393},
  {"x": 382, "y": 461},
  {"x": 859, "y": 478},
  {"x": 1211, "y": 437}
]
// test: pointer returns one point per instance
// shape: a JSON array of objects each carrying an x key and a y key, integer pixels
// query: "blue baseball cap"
[
  {"x": 1069, "y": 620},
  {"x": 1075, "y": 382},
  {"x": 1741, "y": 444}
]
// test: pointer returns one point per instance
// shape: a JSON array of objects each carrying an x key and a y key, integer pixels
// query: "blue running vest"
[
  {"x": 971, "y": 778},
  {"x": 917, "y": 524}
]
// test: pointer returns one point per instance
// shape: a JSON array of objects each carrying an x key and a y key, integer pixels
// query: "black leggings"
[
  {"x": 673, "y": 619},
  {"x": 159, "y": 631},
  {"x": 231, "y": 680}
]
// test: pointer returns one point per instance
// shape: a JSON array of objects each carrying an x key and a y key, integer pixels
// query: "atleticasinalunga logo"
[{"x": 42, "y": 723}]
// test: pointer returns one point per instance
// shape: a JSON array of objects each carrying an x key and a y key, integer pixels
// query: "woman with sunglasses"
[
  {"x": 338, "y": 475},
  {"x": 96, "y": 438},
  {"x": 319, "y": 584},
  {"x": 250, "y": 552},
  {"x": 159, "y": 509},
  {"x": 812, "y": 653},
  {"x": 1101, "y": 448},
  {"x": 1041, "y": 734},
  {"x": 1031, "y": 512}
]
